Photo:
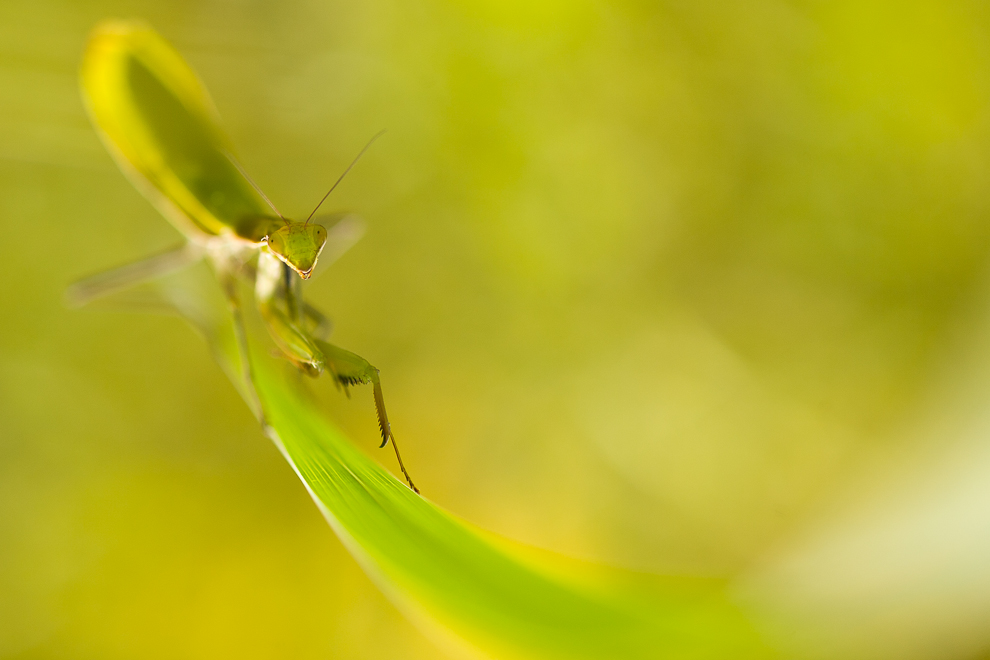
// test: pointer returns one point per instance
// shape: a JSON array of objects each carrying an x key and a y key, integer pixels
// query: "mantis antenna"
[
  {"x": 356, "y": 159},
  {"x": 253, "y": 184}
]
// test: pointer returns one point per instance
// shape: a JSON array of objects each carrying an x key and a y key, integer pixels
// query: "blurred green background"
[{"x": 688, "y": 287}]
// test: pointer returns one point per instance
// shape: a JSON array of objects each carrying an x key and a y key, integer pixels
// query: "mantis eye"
[{"x": 276, "y": 242}]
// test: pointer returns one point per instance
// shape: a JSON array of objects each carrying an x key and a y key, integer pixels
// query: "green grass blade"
[{"x": 506, "y": 600}]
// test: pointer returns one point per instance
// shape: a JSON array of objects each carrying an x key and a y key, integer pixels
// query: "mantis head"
[{"x": 298, "y": 246}]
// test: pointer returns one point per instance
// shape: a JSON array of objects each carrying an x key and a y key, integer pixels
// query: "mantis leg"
[
  {"x": 351, "y": 369},
  {"x": 103, "y": 284},
  {"x": 281, "y": 308},
  {"x": 297, "y": 309},
  {"x": 243, "y": 350},
  {"x": 322, "y": 326},
  {"x": 296, "y": 345},
  {"x": 280, "y": 302}
]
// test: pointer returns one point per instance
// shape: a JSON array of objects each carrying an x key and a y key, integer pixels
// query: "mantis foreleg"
[
  {"x": 297, "y": 309},
  {"x": 322, "y": 326},
  {"x": 352, "y": 369},
  {"x": 280, "y": 305}
]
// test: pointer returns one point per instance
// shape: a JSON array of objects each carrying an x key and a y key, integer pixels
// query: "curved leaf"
[
  {"x": 157, "y": 120},
  {"x": 505, "y": 599}
]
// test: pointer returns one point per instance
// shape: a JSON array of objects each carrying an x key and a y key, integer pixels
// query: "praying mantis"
[{"x": 158, "y": 122}]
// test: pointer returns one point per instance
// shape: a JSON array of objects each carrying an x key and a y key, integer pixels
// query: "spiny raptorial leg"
[{"x": 350, "y": 369}]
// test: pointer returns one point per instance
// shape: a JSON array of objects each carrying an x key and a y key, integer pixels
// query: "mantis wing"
[
  {"x": 157, "y": 120},
  {"x": 343, "y": 231},
  {"x": 124, "y": 277}
]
